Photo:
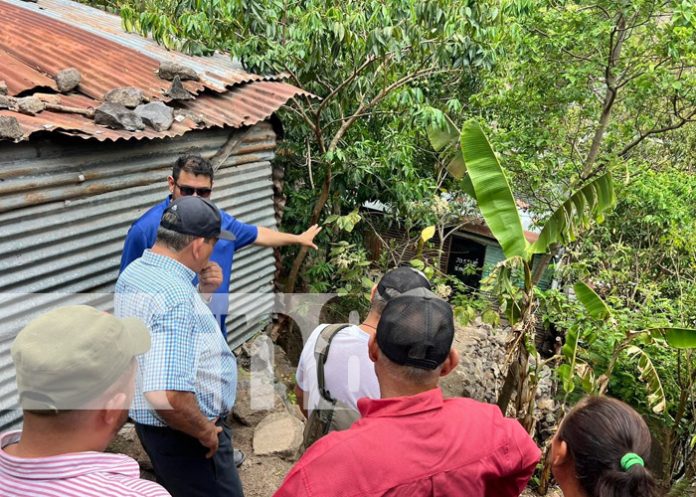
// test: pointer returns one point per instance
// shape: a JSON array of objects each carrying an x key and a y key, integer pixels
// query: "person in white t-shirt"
[{"x": 349, "y": 373}]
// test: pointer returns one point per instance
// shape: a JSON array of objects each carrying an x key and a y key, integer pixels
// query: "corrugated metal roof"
[
  {"x": 243, "y": 105},
  {"x": 218, "y": 71},
  {"x": 37, "y": 40}
]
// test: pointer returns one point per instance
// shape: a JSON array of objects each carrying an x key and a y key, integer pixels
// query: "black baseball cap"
[
  {"x": 195, "y": 216},
  {"x": 400, "y": 280},
  {"x": 416, "y": 329}
]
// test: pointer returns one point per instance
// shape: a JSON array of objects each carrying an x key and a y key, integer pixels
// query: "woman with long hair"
[{"x": 601, "y": 450}]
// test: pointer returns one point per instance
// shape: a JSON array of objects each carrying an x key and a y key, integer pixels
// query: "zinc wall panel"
[{"x": 65, "y": 211}]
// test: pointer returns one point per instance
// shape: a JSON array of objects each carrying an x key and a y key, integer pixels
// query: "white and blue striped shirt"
[{"x": 188, "y": 353}]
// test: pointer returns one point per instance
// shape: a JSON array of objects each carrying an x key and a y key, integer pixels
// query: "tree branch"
[
  {"x": 690, "y": 117},
  {"x": 346, "y": 82},
  {"x": 610, "y": 96},
  {"x": 380, "y": 96}
]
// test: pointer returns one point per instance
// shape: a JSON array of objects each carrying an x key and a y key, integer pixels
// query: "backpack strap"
[{"x": 321, "y": 353}]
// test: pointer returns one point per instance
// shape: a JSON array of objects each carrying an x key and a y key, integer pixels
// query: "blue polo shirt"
[{"x": 143, "y": 233}]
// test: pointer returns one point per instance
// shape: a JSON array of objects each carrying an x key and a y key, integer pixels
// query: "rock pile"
[{"x": 481, "y": 353}]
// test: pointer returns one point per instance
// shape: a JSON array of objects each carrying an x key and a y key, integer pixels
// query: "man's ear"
[
  {"x": 197, "y": 247},
  {"x": 373, "y": 292},
  {"x": 113, "y": 409},
  {"x": 171, "y": 182},
  {"x": 373, "y": 348},
  {"x": 450, "y": 363}
]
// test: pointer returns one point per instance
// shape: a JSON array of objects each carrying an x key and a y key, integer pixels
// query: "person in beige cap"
[{"x": 75, "y": 377}]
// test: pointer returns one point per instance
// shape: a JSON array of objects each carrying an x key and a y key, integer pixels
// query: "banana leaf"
[
  {"x": 679, "y": 338},
  {"x": 592, "y": 302},
  {"x": 445, "y": 141},
  {"x": 493, "y": 191},
  {"x": 648, "y": 374},
  {"x": 590, "y": 202}
]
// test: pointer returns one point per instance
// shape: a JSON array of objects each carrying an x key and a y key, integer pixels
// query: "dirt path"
[{"x": 261, "y": 475}]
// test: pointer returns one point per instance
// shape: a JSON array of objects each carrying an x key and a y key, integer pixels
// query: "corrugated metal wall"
[{"x": 65, "y": 211}]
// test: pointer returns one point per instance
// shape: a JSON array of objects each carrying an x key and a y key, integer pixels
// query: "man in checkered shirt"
[{"x": 187, "y": 381}]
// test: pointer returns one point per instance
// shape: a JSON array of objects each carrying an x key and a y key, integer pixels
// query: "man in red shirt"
[{"x": 413, "y": 442}]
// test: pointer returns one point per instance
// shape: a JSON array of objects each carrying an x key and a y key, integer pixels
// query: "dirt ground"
[{"x": 260, "y": 475}]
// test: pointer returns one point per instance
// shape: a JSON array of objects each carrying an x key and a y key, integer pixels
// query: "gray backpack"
[{"x": 329, "y": 414}]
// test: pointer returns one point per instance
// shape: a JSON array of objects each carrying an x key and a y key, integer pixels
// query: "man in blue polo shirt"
[{"x": 192, "y": 175}]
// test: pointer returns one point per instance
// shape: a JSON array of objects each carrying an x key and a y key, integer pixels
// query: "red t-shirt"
[{"x": 418, "y": 446}]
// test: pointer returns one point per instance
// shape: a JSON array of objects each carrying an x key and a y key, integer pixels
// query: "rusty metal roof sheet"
[
  {"x": 243, "y": 105},
  {"x": 37, "y": 40}
]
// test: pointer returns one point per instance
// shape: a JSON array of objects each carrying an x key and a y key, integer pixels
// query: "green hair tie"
[{"x": 630, "y": 460}]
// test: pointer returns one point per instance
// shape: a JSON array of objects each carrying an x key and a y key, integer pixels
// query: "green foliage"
[
  {"x": 444, "y": 138},
  {"x": 376, "y": 66},
  {"x": 345, "y": 223},
  {"x": 595, "y": 306},
  {"x": 493, "y": 192},
  {"x": 679, "y": 338},
  {"x": 565, "y": 109},
  {"x": 592, "y": 201},
  {"x": 648, "y": 374}
]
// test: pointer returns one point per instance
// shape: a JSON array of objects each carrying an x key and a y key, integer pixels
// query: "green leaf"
[
  {"x": 570, "y": 352},
  {"x": 648, "y": 374},
  {"x": 565, "y": 373},
  {"x": 591, "y": 201},
  {"x": 592, "y": 302},
  {"x": 418, "y": 264},
  {"x": 679, "y": 338},
  {"x": 444, "y": 139},
  {"x": 491, "y": 317},
  {"x": 493, "y": 191},
  {"x": 464, "y": 314},
  {"x": 427, "y": 233}
]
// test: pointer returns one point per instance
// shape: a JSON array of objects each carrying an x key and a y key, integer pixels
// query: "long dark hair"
[{"x": 599, "y": 431}]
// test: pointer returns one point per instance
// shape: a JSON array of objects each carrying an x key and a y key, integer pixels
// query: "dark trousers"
[{"x": 181, "y": 467}]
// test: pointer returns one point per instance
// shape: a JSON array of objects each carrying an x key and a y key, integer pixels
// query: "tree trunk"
[
  {"x": 509, "y": 386},
  {"x": 316, "y": 214},
  {"x": 545, "y": 477}
]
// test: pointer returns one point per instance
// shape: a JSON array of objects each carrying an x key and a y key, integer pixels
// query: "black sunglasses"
[{"x": 187, "y": 191}]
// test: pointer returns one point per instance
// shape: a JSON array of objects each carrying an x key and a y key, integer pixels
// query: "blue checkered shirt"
[{"x": 188, "y": 353}]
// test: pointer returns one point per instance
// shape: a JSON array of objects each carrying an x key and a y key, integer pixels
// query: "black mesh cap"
[
  {"x": 416, "y": 329},
  {"x": 195, "y": 216},
  {"x": 400, "y": 280}
]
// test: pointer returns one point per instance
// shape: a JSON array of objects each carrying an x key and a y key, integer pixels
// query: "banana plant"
[
  {"x": 468, "y": 155},
  {"x": 597, "y": 309}
]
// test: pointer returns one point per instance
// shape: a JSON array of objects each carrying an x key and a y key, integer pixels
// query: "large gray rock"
[
  {"x": 30, "y": 105},
  {"x": 6, "y": 102},
  {"x": 156, "y": 115},
  {"x": 129, "y": 97},
  {"x": 126, "y": 442},
  {"x": 117, "y": 116},
  {"x": 278, "y": 434},
  {"x": 169, "y": 70},
  {"x": 177, "y": 91},
  {"x": 10, "y": 128},
  {"x": 68, "y": 79},
  {"x": 254, "y": 402},
  {"x": 3, "y": 88}
]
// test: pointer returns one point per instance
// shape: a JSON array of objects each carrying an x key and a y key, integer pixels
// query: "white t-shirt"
[{"x": 349, "y": 373}]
